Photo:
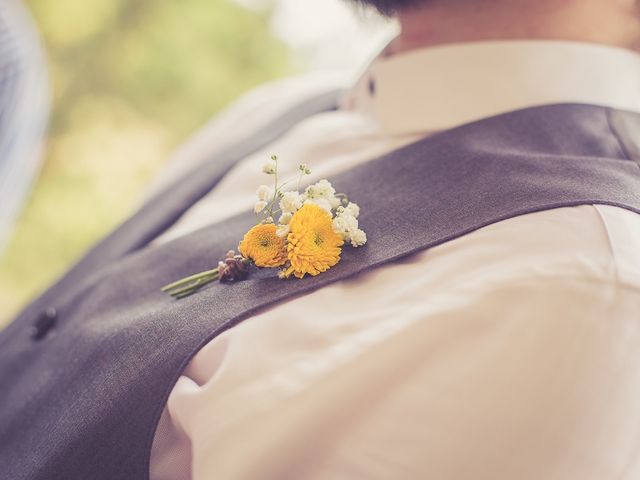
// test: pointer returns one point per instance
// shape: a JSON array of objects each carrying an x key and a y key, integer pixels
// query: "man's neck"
[{"x": 591, "y": 21}]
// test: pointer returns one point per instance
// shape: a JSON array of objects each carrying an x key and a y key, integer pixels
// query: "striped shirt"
[{"x": 24, "y": 109}]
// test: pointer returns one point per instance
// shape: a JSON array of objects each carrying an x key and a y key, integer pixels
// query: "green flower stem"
[
  {"x": 187, "y": 286},
  {"x": 192, "y": 287},
  {"x": 190, "y": 279},
  {"x": 189, "y": 290}
]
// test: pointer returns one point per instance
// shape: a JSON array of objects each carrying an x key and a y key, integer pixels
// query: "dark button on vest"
[{"x": 44, "y": 323}]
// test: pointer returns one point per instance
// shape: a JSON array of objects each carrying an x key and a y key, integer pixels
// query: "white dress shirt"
[{"x": 512, "y": 352}]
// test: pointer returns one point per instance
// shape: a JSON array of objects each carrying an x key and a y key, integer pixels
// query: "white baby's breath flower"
[
  {"x": 321, "y": 202},
  {"x": 358, "y": 238},
  {"x": 264, "y": 193},
  {"x": 325, "y": 188},
  {"x": 321, "y": 189},
  {"x": 310, "y": 192},
  {"x": 268, "y": 220},
  {"x": 282, "y": 231},
  {"x": 285, "y": 218},
  {"x": 335, "y": 202},
  {"x": 352, "y": 209},
  {"x": 346, "y": 225},
  {"x": 259, "y": 206},
  {"x": 341, "y": 227},
  {"x": 291, "y": 202},
  {"x": 269, "y": 168},
  {"x": 350, "y": 220}
]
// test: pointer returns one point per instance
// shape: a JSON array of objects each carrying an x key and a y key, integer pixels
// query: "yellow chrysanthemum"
[
  {"x": 313, "y": 244},
  {"x": 263, "y": 246}
]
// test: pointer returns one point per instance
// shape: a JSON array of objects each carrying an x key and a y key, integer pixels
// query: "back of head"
[{"x": 431, "y": 22}]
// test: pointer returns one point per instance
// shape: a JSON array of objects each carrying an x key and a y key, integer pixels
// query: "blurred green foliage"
[{"x": 131, "y": 79}]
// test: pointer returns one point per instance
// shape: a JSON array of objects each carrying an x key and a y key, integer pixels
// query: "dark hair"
[{"x": 389, "y": 7}]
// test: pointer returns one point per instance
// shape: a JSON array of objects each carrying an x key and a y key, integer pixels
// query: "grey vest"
[{"x": 86, "y": 369}]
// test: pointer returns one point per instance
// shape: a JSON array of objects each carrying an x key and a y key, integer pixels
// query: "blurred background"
[{"x": 132, "y": 79}]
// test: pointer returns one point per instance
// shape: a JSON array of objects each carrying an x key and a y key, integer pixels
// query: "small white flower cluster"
[
  {"x": 344, "y": 213},
  {"x": 265, "y": 194},
  {"x": 346, "y": 224},
  {"x": 270, "y": 167}
]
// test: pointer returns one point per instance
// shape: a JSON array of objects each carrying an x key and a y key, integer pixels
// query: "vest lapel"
[{"x": 429, "y": 193}]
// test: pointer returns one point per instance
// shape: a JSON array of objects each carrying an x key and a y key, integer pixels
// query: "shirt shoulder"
[
  {"x": 596, "y": 242},
  {"x": 252, "y": 111}
]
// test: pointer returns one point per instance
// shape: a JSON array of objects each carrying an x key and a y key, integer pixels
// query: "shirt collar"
[{"x": 441, "y": 87}]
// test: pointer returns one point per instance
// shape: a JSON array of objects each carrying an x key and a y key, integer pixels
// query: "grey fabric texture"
[{"x": 84, "y": 401}]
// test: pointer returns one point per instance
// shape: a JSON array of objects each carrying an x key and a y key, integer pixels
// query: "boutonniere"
[{"x": 307, "y": 239}]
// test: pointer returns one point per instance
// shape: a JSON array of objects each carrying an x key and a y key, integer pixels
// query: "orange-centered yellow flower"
[
  {"x": 313, "y": 245},
  {"x": 263, "y": 246}
]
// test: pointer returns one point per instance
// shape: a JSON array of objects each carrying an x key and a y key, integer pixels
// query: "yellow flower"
[
  {"x": 263, "y": 246},
  {"x": 313, "y": 244}
]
